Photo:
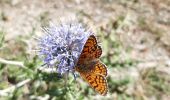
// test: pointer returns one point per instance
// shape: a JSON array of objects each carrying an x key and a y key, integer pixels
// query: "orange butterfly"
[{"x": 91, "y": 68}]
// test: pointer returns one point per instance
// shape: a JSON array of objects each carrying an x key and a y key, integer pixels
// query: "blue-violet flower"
[{"x": 62, "y": 45}]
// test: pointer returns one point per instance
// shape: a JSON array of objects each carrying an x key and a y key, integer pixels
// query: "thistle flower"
[{"x": 62, "y": 45}]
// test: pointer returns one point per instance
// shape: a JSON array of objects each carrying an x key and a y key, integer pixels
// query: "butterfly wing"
[
  {"x": 100, "y": 68},
  {"x": 96, "y": 81},
  {"x": 96, "y": 77},
  {"x": 90, "y": 51},
  {"x": 91, "y": 68},
  {"x": 98, "y": 52}
]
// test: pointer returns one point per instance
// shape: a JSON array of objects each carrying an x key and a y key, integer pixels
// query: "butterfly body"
[
  {"x": 91, "y": 68},
  {"x": 87, "y": 67}
]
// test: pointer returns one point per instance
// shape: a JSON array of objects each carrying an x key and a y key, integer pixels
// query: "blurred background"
[{"x": 134, "y": 35}]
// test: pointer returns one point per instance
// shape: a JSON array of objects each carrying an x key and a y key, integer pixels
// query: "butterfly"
[{"x": 91, "y": 68}]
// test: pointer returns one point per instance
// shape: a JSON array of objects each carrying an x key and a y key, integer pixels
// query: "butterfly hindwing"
[
  {"x": 97, "y": 82},
  {"x": 100, "y": 68}
]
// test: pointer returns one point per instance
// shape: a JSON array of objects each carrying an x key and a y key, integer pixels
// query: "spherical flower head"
[{"x": 62, "y": 45}]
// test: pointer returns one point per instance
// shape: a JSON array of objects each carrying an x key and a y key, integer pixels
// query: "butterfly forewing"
[{"x": 89, "y": 51}]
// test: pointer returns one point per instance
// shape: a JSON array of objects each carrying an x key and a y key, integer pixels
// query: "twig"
[
  {"x": 12, "y": 88},
  {"x": 17, "y": 63},
  {"x": 45, "y": 97},
  {"x": 47, "y": 69}
]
